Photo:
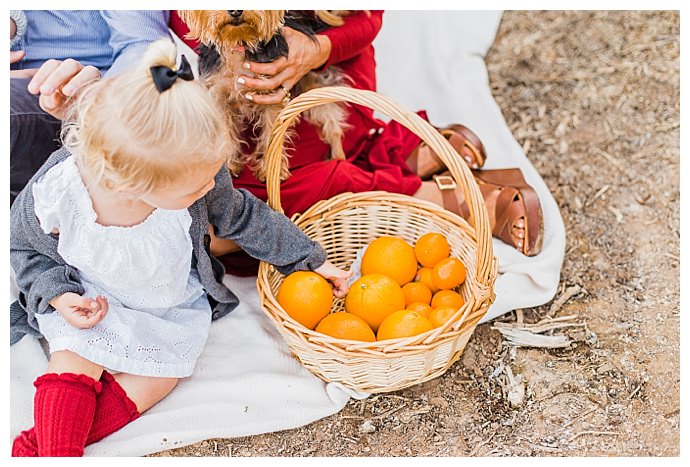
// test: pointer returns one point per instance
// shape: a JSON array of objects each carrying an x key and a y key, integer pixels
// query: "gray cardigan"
[{"x": 234, "y": 213}]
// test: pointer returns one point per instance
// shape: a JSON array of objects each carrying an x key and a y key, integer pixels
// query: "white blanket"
[{"x": 246, "y": 382}]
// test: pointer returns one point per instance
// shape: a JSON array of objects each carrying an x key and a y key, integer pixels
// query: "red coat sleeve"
[{"x": 358, "y": 32}]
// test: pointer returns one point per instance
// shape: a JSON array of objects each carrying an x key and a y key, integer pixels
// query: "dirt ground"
[{"x": 593, "y": 98}]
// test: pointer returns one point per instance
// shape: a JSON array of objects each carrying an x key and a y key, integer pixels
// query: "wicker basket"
[{"x": 349, "y": 221}]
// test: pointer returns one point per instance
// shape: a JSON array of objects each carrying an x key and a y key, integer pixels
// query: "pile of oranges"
[{"x": 404, "y": 290}]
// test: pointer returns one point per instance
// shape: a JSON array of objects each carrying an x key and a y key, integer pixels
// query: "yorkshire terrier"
[{"x": 229, "y": 38}]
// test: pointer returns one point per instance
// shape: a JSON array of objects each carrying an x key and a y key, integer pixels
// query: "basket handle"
[{"x": 479, "y": 218}]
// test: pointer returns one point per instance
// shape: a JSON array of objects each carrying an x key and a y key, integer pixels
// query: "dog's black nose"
[{"x": 235, "y": 13}]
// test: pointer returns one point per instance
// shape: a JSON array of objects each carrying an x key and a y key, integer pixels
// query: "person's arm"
[
  {"x": 358, "y": 32},
  {"x": 260, "y": 231},
  {"x": 131, "y": 31}
]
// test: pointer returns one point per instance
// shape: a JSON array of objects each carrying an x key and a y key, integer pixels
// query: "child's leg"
[
  {"x": 145, "y": 391},
  {"x": 64, "y": 361},
  {"x": 64, "y": 407},
  {"x": 123, "y": 398}
]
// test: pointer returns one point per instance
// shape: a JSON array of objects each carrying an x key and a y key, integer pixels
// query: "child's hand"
[
  {"x": 336, "y": 276},
  {"x": 81, "y": 312}
]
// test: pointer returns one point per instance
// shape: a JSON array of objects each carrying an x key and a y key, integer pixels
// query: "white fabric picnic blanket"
[{"x": 246, "y": 382}]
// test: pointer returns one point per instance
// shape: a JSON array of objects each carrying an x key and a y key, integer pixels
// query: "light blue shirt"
[{"x": 110, "y": 40}]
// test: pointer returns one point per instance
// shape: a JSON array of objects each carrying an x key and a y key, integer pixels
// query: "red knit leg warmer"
[
  {"x": 114, "y": 409},
  {"x": 64, "y": 408}
]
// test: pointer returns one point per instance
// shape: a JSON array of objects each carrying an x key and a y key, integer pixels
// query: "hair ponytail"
[{"x": 127, "y": 133}]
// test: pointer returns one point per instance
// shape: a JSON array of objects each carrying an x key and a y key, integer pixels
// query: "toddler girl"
[{"x": 110, "y": 245}]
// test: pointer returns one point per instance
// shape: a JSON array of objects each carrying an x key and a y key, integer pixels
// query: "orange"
[
  {"x": 403, "y": 323},
  {"x": 420, "y": 307},
  {"x": 306, "y": 297},
  {"x": 391, "y": 256},
  {"x": 439, "y": 316},
  {"x": 373, "y": 297},
  {"x": 447, "y": 298},
  {"x": 416, "y": 292},
  {"x": 346, "y": 326},
  {"x": 431, "y": 248},
  {"x": 448, "y": 273},
  {"x": 424, "y": 276}
]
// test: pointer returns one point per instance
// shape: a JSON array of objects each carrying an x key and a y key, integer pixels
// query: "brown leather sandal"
[
  {"x": 517, "y": 217},
  {"x": 464, "y": 141}
]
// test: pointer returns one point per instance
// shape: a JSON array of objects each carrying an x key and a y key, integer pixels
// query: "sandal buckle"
[{"x": 445, "y": 182}]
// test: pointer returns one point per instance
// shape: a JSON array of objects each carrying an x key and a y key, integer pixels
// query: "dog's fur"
[{"x": 258, "y": 32}]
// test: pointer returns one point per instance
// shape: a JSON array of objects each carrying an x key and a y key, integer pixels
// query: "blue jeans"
[{"x": 34, "y": 135}]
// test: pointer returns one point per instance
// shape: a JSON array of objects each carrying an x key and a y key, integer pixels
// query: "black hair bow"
[{"x": 164, "y": 77}]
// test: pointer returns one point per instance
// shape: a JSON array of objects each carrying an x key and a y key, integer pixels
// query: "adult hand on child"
[
  {"x": 57, "y": 81},
  {"x": 335, "y": 276},
  {"x": 304, "y": 55},
  {"x": 81, "y": 312}
]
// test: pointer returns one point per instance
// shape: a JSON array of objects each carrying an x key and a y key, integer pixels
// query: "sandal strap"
[{"x": 448, "y": 189}]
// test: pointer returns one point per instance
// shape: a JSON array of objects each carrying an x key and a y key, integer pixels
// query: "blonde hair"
[{"x": 127, "y": 135}]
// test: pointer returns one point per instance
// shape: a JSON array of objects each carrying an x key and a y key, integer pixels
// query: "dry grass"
[{"x": 593, "y": 97}]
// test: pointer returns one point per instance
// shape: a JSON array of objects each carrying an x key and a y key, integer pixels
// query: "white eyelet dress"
[{"x": 159, "y": 315}]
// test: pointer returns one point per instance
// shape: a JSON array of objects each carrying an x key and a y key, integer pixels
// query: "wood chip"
[
  {"x": 617, "y": 213},
  {"x": 609, "y": 433},
  {"x": 569, "y": 293},
  {"x": 609, "y": 157},
  {"x": 408, "y": 416},
  {"x": 516, "y": 388},
  {"x": 367, "y": 427},
  {"x": 547, "y": 324},
  {"x": 523, "y": 338},
  {"x": 598, "y": 195},
  {"x": 526, "y": 146}
]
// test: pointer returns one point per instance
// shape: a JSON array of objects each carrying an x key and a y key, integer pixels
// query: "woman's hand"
[
  {"x": 335, "y": 276},
  {"x": 282, "y": 74},
  {"x": 81, "y": 312},
  {"x": 57, "y": 81}
]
